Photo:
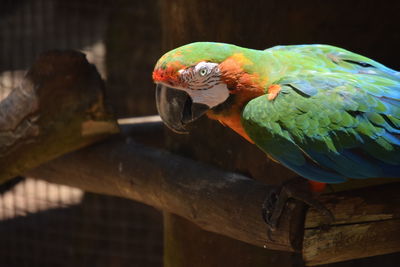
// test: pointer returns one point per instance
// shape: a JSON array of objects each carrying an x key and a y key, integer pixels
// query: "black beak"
[{"x": 176, "y": 108}]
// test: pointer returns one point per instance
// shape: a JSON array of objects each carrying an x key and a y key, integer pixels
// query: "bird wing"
[{"x": 329, "y": 126}]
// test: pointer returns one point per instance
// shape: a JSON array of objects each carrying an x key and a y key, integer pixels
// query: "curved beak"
[{"x": 177, "y": 108}]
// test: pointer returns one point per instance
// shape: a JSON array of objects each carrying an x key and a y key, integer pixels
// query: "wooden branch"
[
  {"x": 367, "y": 224},
  {"x": 217, "y": 201},
  {"x": 57, "y": 108},
  {"x": 367, "y": 220}
]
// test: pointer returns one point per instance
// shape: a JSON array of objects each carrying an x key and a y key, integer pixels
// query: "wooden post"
[
  {"x": 57, "y": 108},
  {"x": 179, "y": 252},
  {"x": 133, "y": 43}
]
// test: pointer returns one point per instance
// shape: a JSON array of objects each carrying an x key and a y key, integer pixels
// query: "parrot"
[{"x": 324, "y": 112}]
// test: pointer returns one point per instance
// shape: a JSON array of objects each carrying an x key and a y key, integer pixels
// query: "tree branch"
[
  {"x": 368, "y": 220},
  {"x": 57, "y": 108},
  {"x": 367, "y": 224},
  {"x": 218, "y": 201}
]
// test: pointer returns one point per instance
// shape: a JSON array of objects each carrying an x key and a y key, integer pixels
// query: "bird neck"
[
  {"x": 239, "y": 73},
  {"x": 229, "y": 113}
]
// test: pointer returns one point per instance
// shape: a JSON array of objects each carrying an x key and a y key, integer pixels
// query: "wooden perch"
[
  {"x": 57, "y": 108},
  {"x": 368, "y": 220},
  {"x": 221, "y": 202},
  {"x": 367, "y": 223}
]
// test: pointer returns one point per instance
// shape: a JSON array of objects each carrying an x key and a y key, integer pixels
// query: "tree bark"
[
  {"x": 218, "y": 201},
  {"x": 57, "y": 108},
  {"x": 367, "y": 220},
  {"x": 367, "y": 223}
]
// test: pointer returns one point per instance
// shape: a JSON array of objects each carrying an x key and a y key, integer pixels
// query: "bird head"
[{"x": 191, "y": 80}]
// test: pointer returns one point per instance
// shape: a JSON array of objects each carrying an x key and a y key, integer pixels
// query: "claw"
[
  {"x": 276, "y": 200},
  {"x": 268, "y": 206}
]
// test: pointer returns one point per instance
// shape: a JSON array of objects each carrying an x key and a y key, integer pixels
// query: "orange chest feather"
[
  {"x": 233, "y": 122},
  {"x": 244, "y": 86}
]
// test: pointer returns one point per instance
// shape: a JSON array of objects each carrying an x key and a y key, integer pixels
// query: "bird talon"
[
  {"x": 270, "y": 210},
  {"x": 275, "y": 202}
]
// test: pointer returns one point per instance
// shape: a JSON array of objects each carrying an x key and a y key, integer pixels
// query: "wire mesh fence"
[
  {"x": 54, "y": 225},
  {"x": 44, "y": 224}
]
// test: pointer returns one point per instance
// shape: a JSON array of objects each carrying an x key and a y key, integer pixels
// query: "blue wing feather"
[{"x": 333, "y": 125}]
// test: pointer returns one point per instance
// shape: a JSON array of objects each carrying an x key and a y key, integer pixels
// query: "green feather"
[
  {"x": 337, "y": 114},
  {"x": 326, "y": 113}
]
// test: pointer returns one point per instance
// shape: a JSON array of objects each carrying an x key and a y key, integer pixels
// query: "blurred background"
[{"x": 43, "y": 224}]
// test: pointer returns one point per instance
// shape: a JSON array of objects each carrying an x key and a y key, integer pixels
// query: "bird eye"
[{"x": 203, "y": 71}]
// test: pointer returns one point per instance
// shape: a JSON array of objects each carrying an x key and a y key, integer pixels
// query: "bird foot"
[{"x": 297, "y": 188}]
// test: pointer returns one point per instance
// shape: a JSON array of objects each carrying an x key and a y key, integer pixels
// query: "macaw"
[{"x": 324, "y": 112}]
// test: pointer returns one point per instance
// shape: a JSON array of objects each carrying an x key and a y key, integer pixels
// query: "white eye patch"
[
  {"x": 199, "y": 71},
  {"x": 204, "y": 68}
]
